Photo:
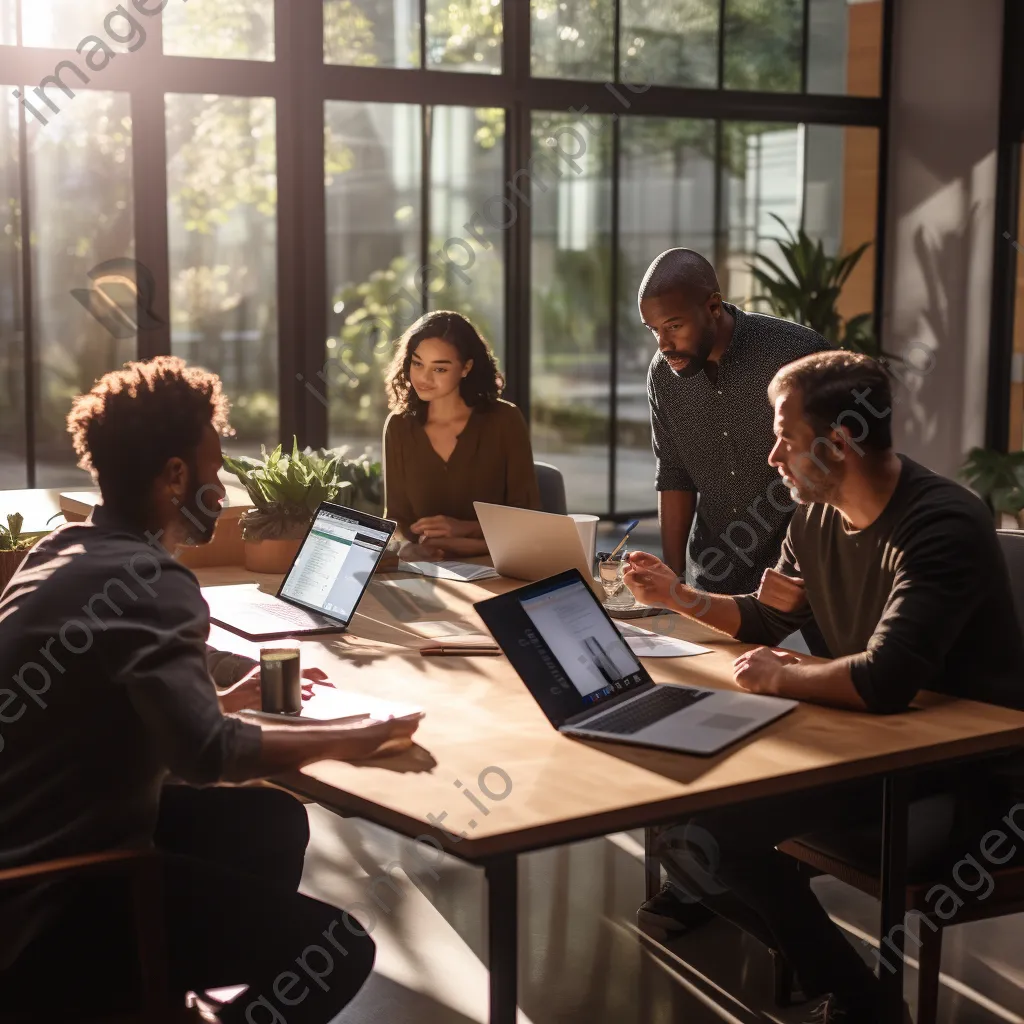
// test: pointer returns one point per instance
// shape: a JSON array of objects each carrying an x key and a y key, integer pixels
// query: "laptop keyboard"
[
  {"x": 288, "y": 612},
  {"x": 659, "y": 703}
]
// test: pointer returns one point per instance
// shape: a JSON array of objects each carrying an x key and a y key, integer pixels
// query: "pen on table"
[
  {"x": 437, "y": 651},
  {"x": 630, "y": 527}
]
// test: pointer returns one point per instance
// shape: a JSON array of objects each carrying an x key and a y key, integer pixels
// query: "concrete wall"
[{"x": 942, "y": 175}]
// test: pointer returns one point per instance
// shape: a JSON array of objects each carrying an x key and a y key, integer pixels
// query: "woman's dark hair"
[
  {"x": 133, "y": 420},
  {"x": 481, "y": 387}
]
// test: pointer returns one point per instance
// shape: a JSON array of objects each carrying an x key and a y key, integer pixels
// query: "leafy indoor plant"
[
  {"x": 999, "y": 478},
  {"x": 13, "y": 545},
  {"x": 285, "y": 491},
  {"x": 808, "y": 290},
  {"x": 367, "y": 480}
]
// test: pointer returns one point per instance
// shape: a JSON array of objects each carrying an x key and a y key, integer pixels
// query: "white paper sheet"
[
  {"x": 462, "y": 572},
  {"x": 646, "y": 644}
]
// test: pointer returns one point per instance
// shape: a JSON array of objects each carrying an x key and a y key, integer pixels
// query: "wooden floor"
[{"x": 583, "y": 961}]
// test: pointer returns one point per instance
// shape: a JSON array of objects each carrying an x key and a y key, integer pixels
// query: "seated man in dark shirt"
[
  {"x": 902, "y": 571},
  {"x": 108, "y": 691}
]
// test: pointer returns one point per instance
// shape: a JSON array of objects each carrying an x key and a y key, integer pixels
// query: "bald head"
[
  {"x": 679, "y": 271},
  {"x": 681, "y": 303}
]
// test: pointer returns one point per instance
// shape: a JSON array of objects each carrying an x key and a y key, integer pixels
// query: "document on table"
[
  {"x": 462, "y": 572},
  {"x": 646, "y": 644},
  {"x": 332, "y": 705}
]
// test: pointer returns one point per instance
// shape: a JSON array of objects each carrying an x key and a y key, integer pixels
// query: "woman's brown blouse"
[{"x": 492, "y": 462}]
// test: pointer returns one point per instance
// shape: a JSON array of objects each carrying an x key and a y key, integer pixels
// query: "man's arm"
[
  {"x": 938, "y": 581},
  {"x": 677, "y": 493},
  {"x": 675, "y": 516}
]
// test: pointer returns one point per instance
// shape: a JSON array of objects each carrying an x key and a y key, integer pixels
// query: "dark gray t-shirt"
[
  {"x": 105, "y": 688},
  {"x": 918, "y": 600},
  {"x": 715, "y": 438}
]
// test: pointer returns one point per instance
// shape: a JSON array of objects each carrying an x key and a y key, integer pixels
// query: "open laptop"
[
  {"x": 589, "y": 683},
  {"x": 529, "y": 545},
  {"x": 320, "y": 591}
]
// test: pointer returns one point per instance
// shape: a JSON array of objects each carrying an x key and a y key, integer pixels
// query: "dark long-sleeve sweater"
[
  {"x": 106, "y": 689},
  {"x": 918, "y": 600}
]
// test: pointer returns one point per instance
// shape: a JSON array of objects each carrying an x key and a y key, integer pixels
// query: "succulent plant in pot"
[
  {"x": 285, "y": 491},
  {"x": 13, "y": 545}
]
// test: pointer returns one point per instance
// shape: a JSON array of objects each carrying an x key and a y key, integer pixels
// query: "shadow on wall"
[{"x": 933, "y": 403}]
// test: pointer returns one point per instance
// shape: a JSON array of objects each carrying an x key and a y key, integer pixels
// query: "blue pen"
[{"x": 630, "y": 527}]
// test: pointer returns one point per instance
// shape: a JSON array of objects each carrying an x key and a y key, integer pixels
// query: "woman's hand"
[
  {"x": 435, "y": 527},
  {"x": 649, "y": 579},
  {"x": 245, "y": 694}
]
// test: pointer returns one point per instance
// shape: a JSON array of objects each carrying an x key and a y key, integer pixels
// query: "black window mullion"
[
  {"x": 721, "y": 43},
  {"x": 426, "y": 148},
  {"x": 517, "y": 153},
  {"x": 613, "y": 362},
  {"x": 305, "y": 374},
  {"x": 805, "y": 45},
  {"x": 149, "y": 195}
]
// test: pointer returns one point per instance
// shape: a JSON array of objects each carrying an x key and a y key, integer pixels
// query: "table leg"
[
  {"x": 503, "y": 937},
  {"x": 652, "y": 866},
  {"x": 895, "y": 801}
]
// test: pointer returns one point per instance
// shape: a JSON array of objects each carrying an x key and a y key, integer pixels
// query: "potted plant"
[
  {"x": 285, "y": 491},
  {"x": 807, "y": 291},
  {"x": 998, "y": 477},
  {"x": 367, "y": 480},
  {"x": 13, "y": 545}
]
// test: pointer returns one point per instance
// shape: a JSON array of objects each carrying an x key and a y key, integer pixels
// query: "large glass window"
[
  {"x": 531, "y": 208},
  {"x": 240, "y": 29},
  {"x": 12, "y": 325},
  {"x": 372, "y": 33},
  {"x": 80, "y": 202},
  {"x": 63, "y": 24},
  {"x": 467, "y": 217},
  {"x": 667, "y": 199},
  {"x": 222, "y": 216},
  {"x": 570, "y": 337},
  {"x": 374, "y": 201},
  {"x": 573, "y": 39}
]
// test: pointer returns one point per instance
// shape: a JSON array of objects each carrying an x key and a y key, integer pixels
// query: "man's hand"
[
  {"x": 381, "y": 739},
  {"x": 245, "y": 694},
  {"x": 649, "y": 579},
  {"x": 434, "y": 527},
  {"x": 763, "y": 670},
  {"x": 783, "y": 593}
]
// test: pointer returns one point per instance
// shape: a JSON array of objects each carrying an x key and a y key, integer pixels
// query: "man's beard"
[
  {"x": 195, "y": 511},
  {"x": 809, "y": 490},
  {"x": 698, "y": 360}
]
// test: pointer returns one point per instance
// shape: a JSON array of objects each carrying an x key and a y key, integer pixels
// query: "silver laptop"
[
  {"x": 589, "y": 683},
  {"x": 528, "y": 545},
  {"x": 320, "y": 591}
]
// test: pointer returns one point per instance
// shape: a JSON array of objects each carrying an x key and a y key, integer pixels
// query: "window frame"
[{"x": 296, "y": 82}]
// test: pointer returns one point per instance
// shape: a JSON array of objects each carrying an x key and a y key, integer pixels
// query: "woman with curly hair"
[{"x": 451, "y": 439}]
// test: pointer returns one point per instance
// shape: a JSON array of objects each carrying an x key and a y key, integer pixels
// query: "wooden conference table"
[{"x": 489, "y": 766}]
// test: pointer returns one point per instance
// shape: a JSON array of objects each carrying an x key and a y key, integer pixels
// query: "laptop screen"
[
  {"x": 336, "y": 560},
  {"x": 563, "y": 645}
]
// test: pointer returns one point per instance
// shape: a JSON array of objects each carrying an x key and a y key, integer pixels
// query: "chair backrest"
[
  {"x": 1012, "y": 543},
  {"x": 552, "y": 488}
]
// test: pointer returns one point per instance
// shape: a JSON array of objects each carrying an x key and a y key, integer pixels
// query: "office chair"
[
  {"x": 552, "y": 488},
  {"x": 1007, "y": 896},
  {"x": 143, "y": 869}
]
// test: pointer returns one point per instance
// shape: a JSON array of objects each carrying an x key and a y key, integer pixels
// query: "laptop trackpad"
[{"x": 709, "y": 725}]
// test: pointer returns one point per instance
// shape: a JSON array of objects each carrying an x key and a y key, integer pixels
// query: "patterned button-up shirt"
[{"x": 714, "y": 439}]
